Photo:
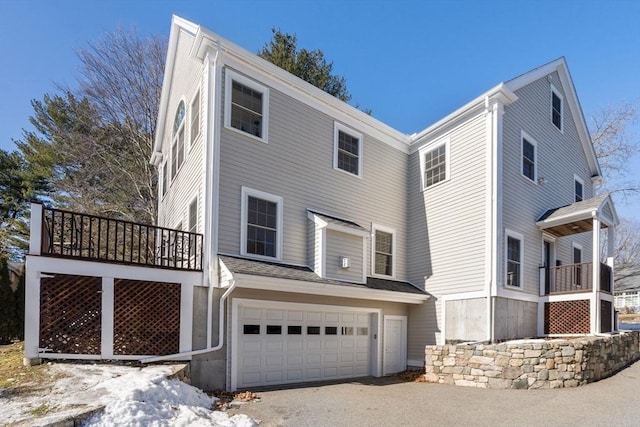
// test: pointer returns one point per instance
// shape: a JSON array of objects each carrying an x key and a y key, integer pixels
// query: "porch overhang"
[{"x": 578, "y": 217}]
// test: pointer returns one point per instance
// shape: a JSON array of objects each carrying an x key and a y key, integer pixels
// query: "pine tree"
[{"x": 7, "y": 304}]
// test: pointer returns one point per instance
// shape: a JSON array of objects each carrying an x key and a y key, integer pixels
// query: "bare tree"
[{"x": 615, "y": 145}]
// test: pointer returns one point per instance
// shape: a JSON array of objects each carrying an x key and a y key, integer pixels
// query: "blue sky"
[{"x": 411, "y": 62}]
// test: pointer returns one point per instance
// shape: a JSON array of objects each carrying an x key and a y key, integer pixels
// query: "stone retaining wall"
[{"x": 540, "y": 363}]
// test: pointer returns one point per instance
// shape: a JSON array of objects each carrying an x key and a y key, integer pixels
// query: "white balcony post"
[
  {"x": 31, "y": 316},
  {"x": 108, "y": 296},
  {"x": 595, "y": 277},
  {"x": 35, "y": 229}
]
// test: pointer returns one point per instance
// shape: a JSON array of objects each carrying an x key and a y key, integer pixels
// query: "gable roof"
[
  {"x": 560, "y": 66},
  {"x": 576, "y": 217}
]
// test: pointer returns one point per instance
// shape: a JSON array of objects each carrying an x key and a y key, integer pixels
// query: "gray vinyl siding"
[
  {"x": 344, "y": 245},
  {"x": 448, "y": 230},
  {"x": 559, "y": 156},
  {"x": 297, "y": 164},
  {"x": 188, "y": 183}
]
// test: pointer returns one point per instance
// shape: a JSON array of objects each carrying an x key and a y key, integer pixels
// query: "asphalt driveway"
[{"x": 614, "y": 401}]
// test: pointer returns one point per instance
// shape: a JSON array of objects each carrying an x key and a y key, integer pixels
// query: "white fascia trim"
[
  {"x": 566, "y": 297},
  {"x": 463, "y": 295},
  {"x": 560, "y": 65},
  {"x": 325, "y": 289},
  {"x": 275, "y": 77},
  {"x": 388, "y": 230},
  {"x": 566, "y": 219},
  {"x": 322, "y": 224},
  {"x": 517, "y": 294},
  {"x": 339, "y": 127},
  {"x": 177, "y": 25},
  {"x": 499, "y": 93},
  {"x": 427, "y": 148}
]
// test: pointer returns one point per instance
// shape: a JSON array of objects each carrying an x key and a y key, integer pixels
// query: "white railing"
[{"x": 627, "y": 299}]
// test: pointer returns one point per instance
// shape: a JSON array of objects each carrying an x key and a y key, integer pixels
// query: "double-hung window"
[
  {"x": 261, "y": 228},
  {"x": 578, "y": 189},
  {"x": 513, "y": 249},
  {"x": 193, "y": 226},
  {"x": 347, "y": 153},
  {"x": 556, "y": 108},
  {"x": 528, "y": 157},
  {"x": 434, "y": 164},
  {"x": 195, "y": 118},
  {"x": 165, "y": 173},
  {"x": 384, "y": 248},
  {"x": 177, "y": 143},
  {"x": 246, "y": 105}
]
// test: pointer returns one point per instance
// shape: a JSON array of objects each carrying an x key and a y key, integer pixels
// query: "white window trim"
[
  {"x": 581, "y": 181},
  {"x": 523, "y": 136},
  {"x": 339, "y": 127},
  {"x": 193, "y": 199},
  {"x": 428, "y": 148},
  {"x": 374, "y": 228},
  {"x": 555, "y": 91},
  {"x": 509, "y": 233},
  {"x": 230, "y": 76},
  {"x": 279, "y": 201},
  {"x": 193, "y": 138},
  {"x": 183, "y": 126}
]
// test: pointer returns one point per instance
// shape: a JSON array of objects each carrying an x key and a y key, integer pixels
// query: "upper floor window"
[
  {"x": 384, "y": 245},
  {"x": 513, "y": 259},
  {"x": 528, "y": 157},
  {"x": 556, "y": 108},
  {"x": 164, "y": 173},
  {"x": 578, "y": 189},
  {"x": 261, "y": 232},
  {"x": 195, "y": 118},
  {"x": 177, "y": 143},
  {"x": 434, "y": 164},
  {"x": 246, "y": 105},
  {"x": 347, "y": 153},
  {"x": 193, "y": 216}
]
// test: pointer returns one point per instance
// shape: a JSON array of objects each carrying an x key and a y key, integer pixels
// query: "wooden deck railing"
[
  {"x": 69, "y": 234},
  {"x": 575, "y": 278}
]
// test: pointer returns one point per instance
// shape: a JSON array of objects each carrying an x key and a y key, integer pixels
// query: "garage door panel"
[{"x": 278, "y": 346}]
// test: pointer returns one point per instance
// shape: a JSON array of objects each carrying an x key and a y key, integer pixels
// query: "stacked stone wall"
[{"x": 553, "y": 363}]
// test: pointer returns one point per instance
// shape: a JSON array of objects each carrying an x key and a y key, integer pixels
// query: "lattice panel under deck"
[
  {"x": 567, "y": 317},
  {"x": 70, "y": 314},
  {"x": 146, "y": 318}
]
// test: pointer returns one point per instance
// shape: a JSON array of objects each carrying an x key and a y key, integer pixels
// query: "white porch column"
[
  {"x": 35, "y": 229},
  {"x": 108, "y": 295},
  {"x": 31, "y": 316},
  {"x": 611, "y": 235},
  {"x": 595, "y": 279}
]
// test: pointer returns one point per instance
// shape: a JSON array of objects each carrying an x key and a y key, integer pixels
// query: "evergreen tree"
[{"x": 7, "y": 304}]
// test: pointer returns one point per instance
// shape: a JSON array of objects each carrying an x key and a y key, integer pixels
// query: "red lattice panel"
[
  {"x": 70, "y": 314},
  {"x": 605, "y": 316},
  {"x": 567, "y": 317},
  {"x": 146, "y": 318}
]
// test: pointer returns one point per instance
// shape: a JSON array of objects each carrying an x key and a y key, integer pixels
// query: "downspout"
[
  {"x": 209, "y": 349},
  {"x": 490, "y": 201}
]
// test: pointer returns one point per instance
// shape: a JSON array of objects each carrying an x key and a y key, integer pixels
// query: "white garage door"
[{"x": 278, "y": 346}]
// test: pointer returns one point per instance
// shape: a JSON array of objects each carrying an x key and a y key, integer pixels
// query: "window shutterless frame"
[
  {"x": 347, "y": 150},
  {"x": 257, "y": 222},
  {"x": 246, "y": 106},
  {"x": 435, "y": 163}
]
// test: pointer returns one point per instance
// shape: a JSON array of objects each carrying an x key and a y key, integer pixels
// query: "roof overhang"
[
  {"x": 578, "y": 217},
  {"x": 250, "y": 281},
  {"x": 337, "y": 224}
]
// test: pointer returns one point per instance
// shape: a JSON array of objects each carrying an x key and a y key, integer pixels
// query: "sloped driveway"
[{"x": 614, "y": 401}]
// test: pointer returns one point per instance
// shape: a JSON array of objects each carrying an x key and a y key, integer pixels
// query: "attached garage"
[{"x": 280, "y": 343}]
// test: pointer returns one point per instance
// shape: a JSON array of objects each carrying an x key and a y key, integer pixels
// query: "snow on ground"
[{"x": 130, "y": 396}]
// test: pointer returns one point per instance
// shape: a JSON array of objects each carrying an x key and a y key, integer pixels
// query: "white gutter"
[{"x": 209, "y": 349}]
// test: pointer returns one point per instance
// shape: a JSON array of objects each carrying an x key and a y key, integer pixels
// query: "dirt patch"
[{"x": 15, "y": 378}]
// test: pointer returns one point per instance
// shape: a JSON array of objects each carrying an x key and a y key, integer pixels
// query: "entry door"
[{"x": 395, "y": 344}]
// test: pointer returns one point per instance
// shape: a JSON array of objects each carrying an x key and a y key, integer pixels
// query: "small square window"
[
  {"x": 347, "y": 330},
  {"x": 363, "y": 331},
  {"x": 331, "y": 330},
  {"x": 434, "y": 164}
]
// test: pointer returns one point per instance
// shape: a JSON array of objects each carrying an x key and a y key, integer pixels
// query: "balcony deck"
[
  {"x": 572, "y": 278},
  {"x": 74, "y": 235}
]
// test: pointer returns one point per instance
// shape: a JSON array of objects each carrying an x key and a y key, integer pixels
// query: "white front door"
[{"x": 395, "y": 344}]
